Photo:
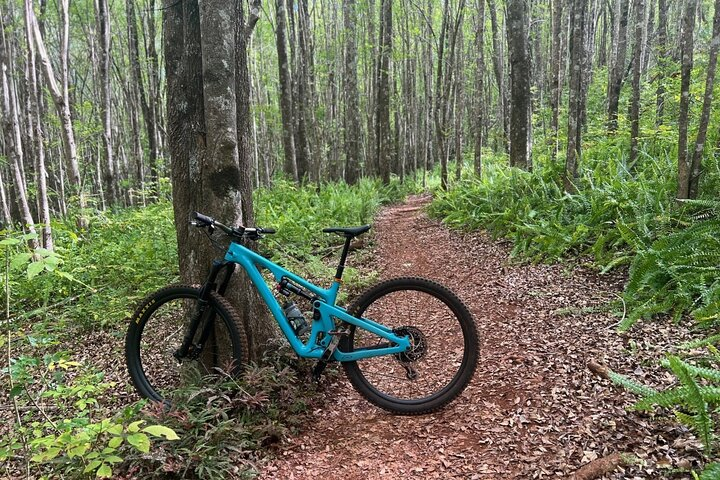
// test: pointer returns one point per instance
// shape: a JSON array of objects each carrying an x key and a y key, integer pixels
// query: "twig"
[
  {"x": 624, "y": 309},
  {"x": 600, "y": 466},
  {"x": 599, "y": 369},
  {"x": 42, "y": 410},
  {"x": 38, "y": 311}
]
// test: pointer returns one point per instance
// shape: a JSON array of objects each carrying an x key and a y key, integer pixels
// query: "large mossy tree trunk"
[{"x": 208, "y": 125}]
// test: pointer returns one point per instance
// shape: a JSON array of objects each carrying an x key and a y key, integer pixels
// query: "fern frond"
[
  {"x": 711, "y": 472},
  {"x": 711, "y": 340},
  {"x": 711, "y": 374},
  {"x": 629, "y": 384},
  {"x": 666, "y": 399},
  {"x": 704, "y": 423}
]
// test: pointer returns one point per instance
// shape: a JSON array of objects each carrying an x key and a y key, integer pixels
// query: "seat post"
[{"x": 343, "y": 257}]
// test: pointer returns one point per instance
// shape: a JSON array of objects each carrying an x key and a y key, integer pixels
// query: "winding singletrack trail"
[{"x": 533, "y": 409}]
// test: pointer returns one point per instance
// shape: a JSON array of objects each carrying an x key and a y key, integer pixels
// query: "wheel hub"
[{"x": 417, "y": 344}]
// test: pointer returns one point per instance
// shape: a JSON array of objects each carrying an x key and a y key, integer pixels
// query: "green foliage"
[
  {"x": 615, "y": 219},
  {"x": 710, "y": 472},
  {"x": 76, "y": 443},
  {"x": 693, "y": 401},
  {"x": 677, "y": 273},
  {"x": 103, "y": 270},
  {"x": 299, "y": 213},
  {"x": 224, "y": 422},
  {"x": 91, "y": 279},
  {"x": 612, "y": 214}
]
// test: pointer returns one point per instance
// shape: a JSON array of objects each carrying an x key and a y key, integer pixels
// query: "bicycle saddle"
[{"x": 348, "y": 231}]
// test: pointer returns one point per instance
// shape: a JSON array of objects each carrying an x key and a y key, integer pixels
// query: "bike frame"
[{"x": 324, "y": 303}]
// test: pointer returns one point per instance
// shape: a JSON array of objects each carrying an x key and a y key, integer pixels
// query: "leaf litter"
[{"x": 533, "y": 409}]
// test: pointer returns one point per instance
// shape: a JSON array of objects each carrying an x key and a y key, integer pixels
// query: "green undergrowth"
[
  {"x": 616, "y": 219},
  {"x": 94, "y": 277},
  {"x": 299, "y": 213},
  {"x": 224, "y": 425},
  {"x": 92, "y": 280}
]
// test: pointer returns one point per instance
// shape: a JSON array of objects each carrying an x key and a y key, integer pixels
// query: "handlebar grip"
[
  {"x": 204, "y": 219},
  {"x": 268, "y": 230}
]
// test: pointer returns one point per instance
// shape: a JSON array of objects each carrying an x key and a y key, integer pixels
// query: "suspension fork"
[{"x": 211, "y": 284}]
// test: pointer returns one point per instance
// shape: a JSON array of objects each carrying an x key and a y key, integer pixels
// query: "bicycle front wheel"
[
  {"x": 442, "y": 357},
  {"x": 156, "y": 332}
]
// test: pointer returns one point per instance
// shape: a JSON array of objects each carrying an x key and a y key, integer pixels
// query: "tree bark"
[
  {"x": 686, "y": 62},
  {"x": 109, "y": 173},
  {"x": 351, "y": 115},
  {"x": 479, "y": 87},
  {"x": 555, "y": 84},
  {"x": 520, "y": 72},
  {"x": 11, "y": 130},
  {"x": 147, "y": 112},
  {"x": 290, "y": 165},
  {"x": 208, "y": 119},
  {"x": 498, "y": 66},
  {"x": 617, "y": 68},
  {"x": 383, "y": 135},
  {"x": 37, "y": 133},
  {"x": 575, "y": 92},
  {"x": 61, "y": 98},
  {"x": 696, "y": 164},
  {"x": 662, "y": 52},
  {"x": 639, "y": 8}
]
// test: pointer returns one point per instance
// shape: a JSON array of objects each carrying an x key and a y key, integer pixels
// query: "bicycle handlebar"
[{"x": 202, "y": 221}]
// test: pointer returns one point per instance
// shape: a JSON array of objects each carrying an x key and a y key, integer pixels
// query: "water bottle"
[{"x": 296, "y": 318}]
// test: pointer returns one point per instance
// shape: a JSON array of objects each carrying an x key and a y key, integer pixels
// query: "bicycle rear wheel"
[
  {"x": 443, "y": 354},
  {"x": 157, "y": 329}
]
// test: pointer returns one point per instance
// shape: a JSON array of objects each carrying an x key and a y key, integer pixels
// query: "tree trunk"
[
  {"x": 639, "y": 8},
  {"x": 686, "y": 62},
  {"x": 155, "y": 137},
  {"x": 617, "y": 63},
  {"x": 520, "y": 71},
  {"x": 352, "y": 137},
  {"x": 61, "y": 98},
  {"x": 148, "y": 117},
  {"x": 6, "y": 218},
  {"x": 555, "y": 85},
  {"x": 208, "y": 120},
  {"x": 662, "y": 52},
  {"x": 290, "y": 165},
  {"x": 575, "y": 103},
  {"x": 498, "y": 66},
  {"x": 109, "y": 173},
  {"x": 37, "y": 134},
  {"x": 479, "y": 87},
  {"x": 696, "y": 164},
  {"x": 11, "y": 130},
  {"x": 383, "y": 135},
  {"x": 301, "y": 92}
]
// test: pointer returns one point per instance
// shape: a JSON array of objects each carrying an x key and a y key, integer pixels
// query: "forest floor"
[{"x": 533, "y": 409}]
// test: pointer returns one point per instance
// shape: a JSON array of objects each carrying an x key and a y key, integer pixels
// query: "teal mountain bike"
[{"x": 408, "y": 345}]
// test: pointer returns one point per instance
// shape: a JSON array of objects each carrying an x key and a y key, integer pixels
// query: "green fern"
[
  {"x": 701, "y": 421},
  {"x": 710, "y": 472},
  {"x": 690, "y": 402},
  {"x": 631, "y": 385}
]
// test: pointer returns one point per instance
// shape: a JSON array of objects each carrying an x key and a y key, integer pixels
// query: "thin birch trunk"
[{"x": 37, "y": 134}]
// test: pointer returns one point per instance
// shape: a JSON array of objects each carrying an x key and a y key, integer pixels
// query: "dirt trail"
[{"x": 533, "y": 410}]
